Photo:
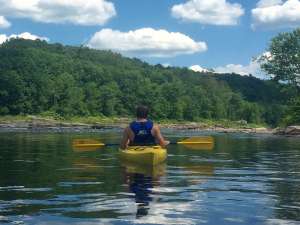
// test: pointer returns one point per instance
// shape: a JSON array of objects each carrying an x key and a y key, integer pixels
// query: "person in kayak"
[{"x": 142, "y": 131}]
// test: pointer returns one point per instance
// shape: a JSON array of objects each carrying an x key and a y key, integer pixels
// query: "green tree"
[
  {"x": 92, "y": 98},
  {"x": 283, "y": 60},
  {"x": 251, "y": 112},
  {"x": 235, "y": 107},
  {"x": 283, "y": 64},
  {"x": 12, "y": 93},
  {"x": 67, "y": 98},
  {"x": 37, "y": 77},
  {"x": 109, "y": 100},
  {"x": 293, "y": 112}
]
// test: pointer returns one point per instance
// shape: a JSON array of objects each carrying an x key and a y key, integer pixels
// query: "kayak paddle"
[{"x": 192, "y": 142}]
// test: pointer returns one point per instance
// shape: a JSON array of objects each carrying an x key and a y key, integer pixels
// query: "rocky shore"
[
  {"x": 36, "y": 124},
  {"x": 289, "y": 131},
  {"x": 218, "y": 128}
]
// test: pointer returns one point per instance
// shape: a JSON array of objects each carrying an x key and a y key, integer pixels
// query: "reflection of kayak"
[
  {"x": 201, "y": 170},
  {"x": 200, "y": 146},
  {"x": 147, "y": 170},
  {"x": 145, "y": 155}
]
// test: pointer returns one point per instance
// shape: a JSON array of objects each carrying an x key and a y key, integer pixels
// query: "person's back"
[{"x": 142, "y": 131}]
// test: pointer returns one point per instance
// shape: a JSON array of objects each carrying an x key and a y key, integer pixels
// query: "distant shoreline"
[
  {"x": 42, "y": 124},
  {"x": 101, "y": 124}
]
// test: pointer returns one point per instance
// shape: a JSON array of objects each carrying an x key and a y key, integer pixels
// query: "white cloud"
[
  {"x": 276, "y": 14},
  {"x": 215, "y": 12},
  {"x": 267, "y": 3},
  {"x": 166, "y": 65},
  {"x": 4, "y": 23},
  {"x": 82, "y": 12},
  {"x": 238, "y": 69},
  {"x": 24, "y": 35},
  {"x": 3, "y": 38},
  {"x": 146, "y": 42},
  {"x": 252, "y": 68},
  {"x": 198, "y": 68}
]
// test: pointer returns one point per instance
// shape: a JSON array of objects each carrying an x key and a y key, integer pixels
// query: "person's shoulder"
[
  {"x": 156, "y": 126},
  {"x": 126, "y": 129}
]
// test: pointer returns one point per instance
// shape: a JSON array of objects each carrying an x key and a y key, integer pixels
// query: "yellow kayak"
[{"x": 146, "y": 155}]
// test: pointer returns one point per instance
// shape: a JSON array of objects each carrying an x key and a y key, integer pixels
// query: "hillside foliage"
[{"x": 37, "y": 77}]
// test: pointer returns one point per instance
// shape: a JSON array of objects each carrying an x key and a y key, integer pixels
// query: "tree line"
[{"x": 37, "y": 77}]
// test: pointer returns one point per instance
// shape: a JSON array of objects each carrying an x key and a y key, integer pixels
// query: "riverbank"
[
  {"x": 44, "y": 124},
  {"x": 96, "y": 124}
]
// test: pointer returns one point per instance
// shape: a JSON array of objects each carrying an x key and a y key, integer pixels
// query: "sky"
[{"x": 223, "y": 35}]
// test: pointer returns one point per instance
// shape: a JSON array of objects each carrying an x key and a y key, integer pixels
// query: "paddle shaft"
[
  {"x": 193, "y": 141},
  {"x": 115, "y": 144}
]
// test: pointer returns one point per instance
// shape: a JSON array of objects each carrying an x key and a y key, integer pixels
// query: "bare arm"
[
  {"x": 125, "y": 140},
  {"x": 158, "y": 136}
]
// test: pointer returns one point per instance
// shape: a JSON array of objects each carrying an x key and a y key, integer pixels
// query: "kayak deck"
[{"x": 149, "y": 155}]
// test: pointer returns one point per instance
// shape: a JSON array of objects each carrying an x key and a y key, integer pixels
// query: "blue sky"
[{"x": 220, "y": 34}]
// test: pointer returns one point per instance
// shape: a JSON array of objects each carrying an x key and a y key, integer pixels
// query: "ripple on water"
[
  {"x": 281, "y": 222},
  {"x": 25, "y": 161},
  {"x": 70, "y": 184},
  {"x": 22, "y": 188},
  {"x": 242, "y": 181}
]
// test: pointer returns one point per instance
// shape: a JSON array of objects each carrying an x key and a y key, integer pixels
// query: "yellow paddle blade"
[
  {"x": 82, "y": 145},
  {"x": 198, "y": 143}
]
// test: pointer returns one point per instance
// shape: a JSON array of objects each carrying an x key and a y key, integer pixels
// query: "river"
[{"x": 244, "y": 179}]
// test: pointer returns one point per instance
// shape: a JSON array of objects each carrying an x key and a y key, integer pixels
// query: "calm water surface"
[{"x": 243, "y": 180}]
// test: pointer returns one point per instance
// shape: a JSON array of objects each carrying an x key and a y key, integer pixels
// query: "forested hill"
[{"x": 37, "y": 77}]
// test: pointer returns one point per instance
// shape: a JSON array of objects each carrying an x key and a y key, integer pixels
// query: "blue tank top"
[{"x": 142, "y": 133}]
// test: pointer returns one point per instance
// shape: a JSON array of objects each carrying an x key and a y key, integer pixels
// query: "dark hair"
[{"x": 142, "y": 112}]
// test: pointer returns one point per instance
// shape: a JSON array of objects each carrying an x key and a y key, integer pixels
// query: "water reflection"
[
  {"x": 87, "y": 168},
  {"x": 202, "y": 170},
  {"x": 244, "y": 179},
  {"x": 206, "y": 146},
  {"x": 141, "y": 180},
  {"x": 141, "y": 186}
]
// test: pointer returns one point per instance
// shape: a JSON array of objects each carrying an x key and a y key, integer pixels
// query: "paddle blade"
[
  {"x": 86, "y": 144},
  {"x": 198, "y": 143}
]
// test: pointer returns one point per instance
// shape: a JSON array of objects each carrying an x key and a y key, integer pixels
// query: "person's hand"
[{"x": 166, "y": 143}]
